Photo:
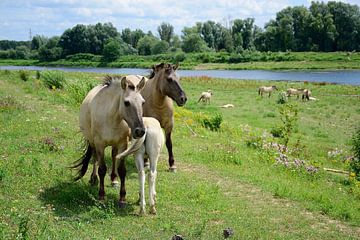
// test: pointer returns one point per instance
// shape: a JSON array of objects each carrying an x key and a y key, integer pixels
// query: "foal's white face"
[{"x": 131, "y": 106}]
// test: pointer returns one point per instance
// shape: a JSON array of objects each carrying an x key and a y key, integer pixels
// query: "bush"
[
  {"x": 355, "y": 162},
  {"x": 282, "y": 98},
  {"x": 179, "y": 57},
  {"x": 78, "y": 90},
  {"x": 212, "y": 123},
  {"x": 24, "y": 75},
  {"x": 53, "y": 79}
]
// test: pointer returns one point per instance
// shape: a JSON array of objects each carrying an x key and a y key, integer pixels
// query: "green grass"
[{"x": 220, "y": 183}]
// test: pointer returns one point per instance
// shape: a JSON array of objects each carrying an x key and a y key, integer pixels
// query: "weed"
[
  {"x": 23, "y": 228},
  {"x": 282, "y": 98},
  {"x": 77, "y": 91},
  {"x": 9, "y": 102},
  {"x": 24, "y": 75},
  {"x": 288, "y": 117},
  {"x": 38, "y": 74},
  {"x": 355, "y": 162},
  {"x": 53, "y": 79},
  {"x": 212, "y": 123}
]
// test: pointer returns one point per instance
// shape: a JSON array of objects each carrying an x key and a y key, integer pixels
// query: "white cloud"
[{"x": 52, "y": 17}]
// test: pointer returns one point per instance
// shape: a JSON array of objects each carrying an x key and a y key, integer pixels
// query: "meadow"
[{"x": 231, "y": 173}]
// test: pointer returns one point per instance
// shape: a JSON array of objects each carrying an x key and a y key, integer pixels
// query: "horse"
[
  {"x": 294, "y": 91},
  {"x": 264, "y": 89},
  {"x": 150, "y": 144},
  {"x": 205, "y": 96},
  {"x": 109, "y": 114},
  {"x": 159, "y": 92},
  {"x": 306, "y": 94}
]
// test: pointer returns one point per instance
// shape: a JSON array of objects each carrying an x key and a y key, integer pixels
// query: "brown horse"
[
  {"x": 106, "y": 114},
  {"x": 159, "y": 91}
]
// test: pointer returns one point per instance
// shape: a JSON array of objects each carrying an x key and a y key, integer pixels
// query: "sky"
[{"x": 53, "y": 17}]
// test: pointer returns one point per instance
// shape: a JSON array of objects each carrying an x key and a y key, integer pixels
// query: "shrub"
[
  {"x": 212, "y": 123},
  {"x": 288, "y": 117},
  {"x": 355, "y": 147},
  {"x": 24, "y": 75},
  {"x": 53, "y": 79},
  {"x": 38, "y": 74},
  {"x": 282, "y": 98},
  {"x": 78, "y": 90}
]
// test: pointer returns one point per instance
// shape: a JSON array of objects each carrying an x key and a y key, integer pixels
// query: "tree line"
[{"x": 326, "y": 27}]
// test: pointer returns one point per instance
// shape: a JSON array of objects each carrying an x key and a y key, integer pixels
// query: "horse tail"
[
  {"x": 83, "y": 162},
  {"x": 135, "y": 146},
  {"x": 259, "y": 91}
]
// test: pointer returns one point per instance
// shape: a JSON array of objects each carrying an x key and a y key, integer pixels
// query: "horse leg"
[
  {"x": 93, "y": 178},
  {"x": 122, "y": 175},
  {"x": 114, "y": 152},
  {"x": 168, "y": 143},
  {"x": 101, "y": 172},
  {"x": 269, "y": 94},
  {"x": 139, "y": 160},
  {"x": 152, "y": 183}
]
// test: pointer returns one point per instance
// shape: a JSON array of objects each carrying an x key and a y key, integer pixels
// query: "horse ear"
[
  {"x": 176, "y": 66},
  {"x": 124, "y": 83},
  {"x": 141, "y": 84}
]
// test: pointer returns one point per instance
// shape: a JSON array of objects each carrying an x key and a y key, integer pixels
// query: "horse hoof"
[
  {"x": 173, "y": 169},
  {"x": 153, "y": 210},
  {"x": 141, "y": 212},
  {"x": 115, "y": 184},
  {"x": 121, "y": 204}
]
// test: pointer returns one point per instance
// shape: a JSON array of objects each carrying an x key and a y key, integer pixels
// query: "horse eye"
[{"x": 127, "y": 103}]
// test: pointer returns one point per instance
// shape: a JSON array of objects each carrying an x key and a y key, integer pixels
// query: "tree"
[
  {"x": 159, "y": 47},
  {"x": 145, "y": 45},
  {"x": 347, "y": 22},
  {"x": 321, "y": 27},
  {"x": 194, "y": 43},
  {"x": 166, "y": 31},
  {"x": 112, "y": 50},
  {"x": 51, "y": 50},
  {"x": 38, "y": 41}
]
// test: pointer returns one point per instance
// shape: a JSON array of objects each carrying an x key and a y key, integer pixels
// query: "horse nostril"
[
  {"x": 139, "y": 132},
  {"x": 183, "y": 99}
]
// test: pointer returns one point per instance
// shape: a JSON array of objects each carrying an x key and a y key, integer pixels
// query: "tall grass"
[{"x": 53, "y": 79}]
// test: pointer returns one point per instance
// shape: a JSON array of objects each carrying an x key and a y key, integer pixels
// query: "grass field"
[{"x": 225, "y": 178}]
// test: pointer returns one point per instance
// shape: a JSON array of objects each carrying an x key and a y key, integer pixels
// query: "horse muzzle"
[
  {"x": 138, "y": 132},
  {"x": 182, "y": 100}
]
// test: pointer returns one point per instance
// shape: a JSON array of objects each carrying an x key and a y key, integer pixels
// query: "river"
[{"x": 351, "y": 77}]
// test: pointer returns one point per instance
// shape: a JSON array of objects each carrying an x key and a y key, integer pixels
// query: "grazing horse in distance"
[
  {"x": 150, "y": 144},
  {"x": 264, "y": 89},
  {"x": 159, "y": 92},
  {"x": 294, "y": 91},
  {"x": 205, "y": 96},
  {"x": 306, "y": 94},
  {"x": 108, "y": 114}
]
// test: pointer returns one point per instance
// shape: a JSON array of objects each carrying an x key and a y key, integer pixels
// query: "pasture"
[{"x": 225, "y": 178}]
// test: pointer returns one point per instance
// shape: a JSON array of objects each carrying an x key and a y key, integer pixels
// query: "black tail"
[{"x": 83, "y": 162}]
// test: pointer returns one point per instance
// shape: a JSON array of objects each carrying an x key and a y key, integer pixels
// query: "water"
[{"x": 351, "y": 77}]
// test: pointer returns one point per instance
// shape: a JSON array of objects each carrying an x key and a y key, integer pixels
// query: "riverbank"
[{"x": 208, "y": 61}]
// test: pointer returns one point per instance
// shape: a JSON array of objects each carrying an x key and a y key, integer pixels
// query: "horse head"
[
  {"x": 131, "y": 106},
  {"x": 169, "y": 82}
]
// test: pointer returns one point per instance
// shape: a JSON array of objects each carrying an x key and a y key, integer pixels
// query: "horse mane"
[{"x": 107, "y": 80}]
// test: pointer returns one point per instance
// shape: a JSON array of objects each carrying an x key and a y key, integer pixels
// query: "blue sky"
[{"x": 52, "y": 17}]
